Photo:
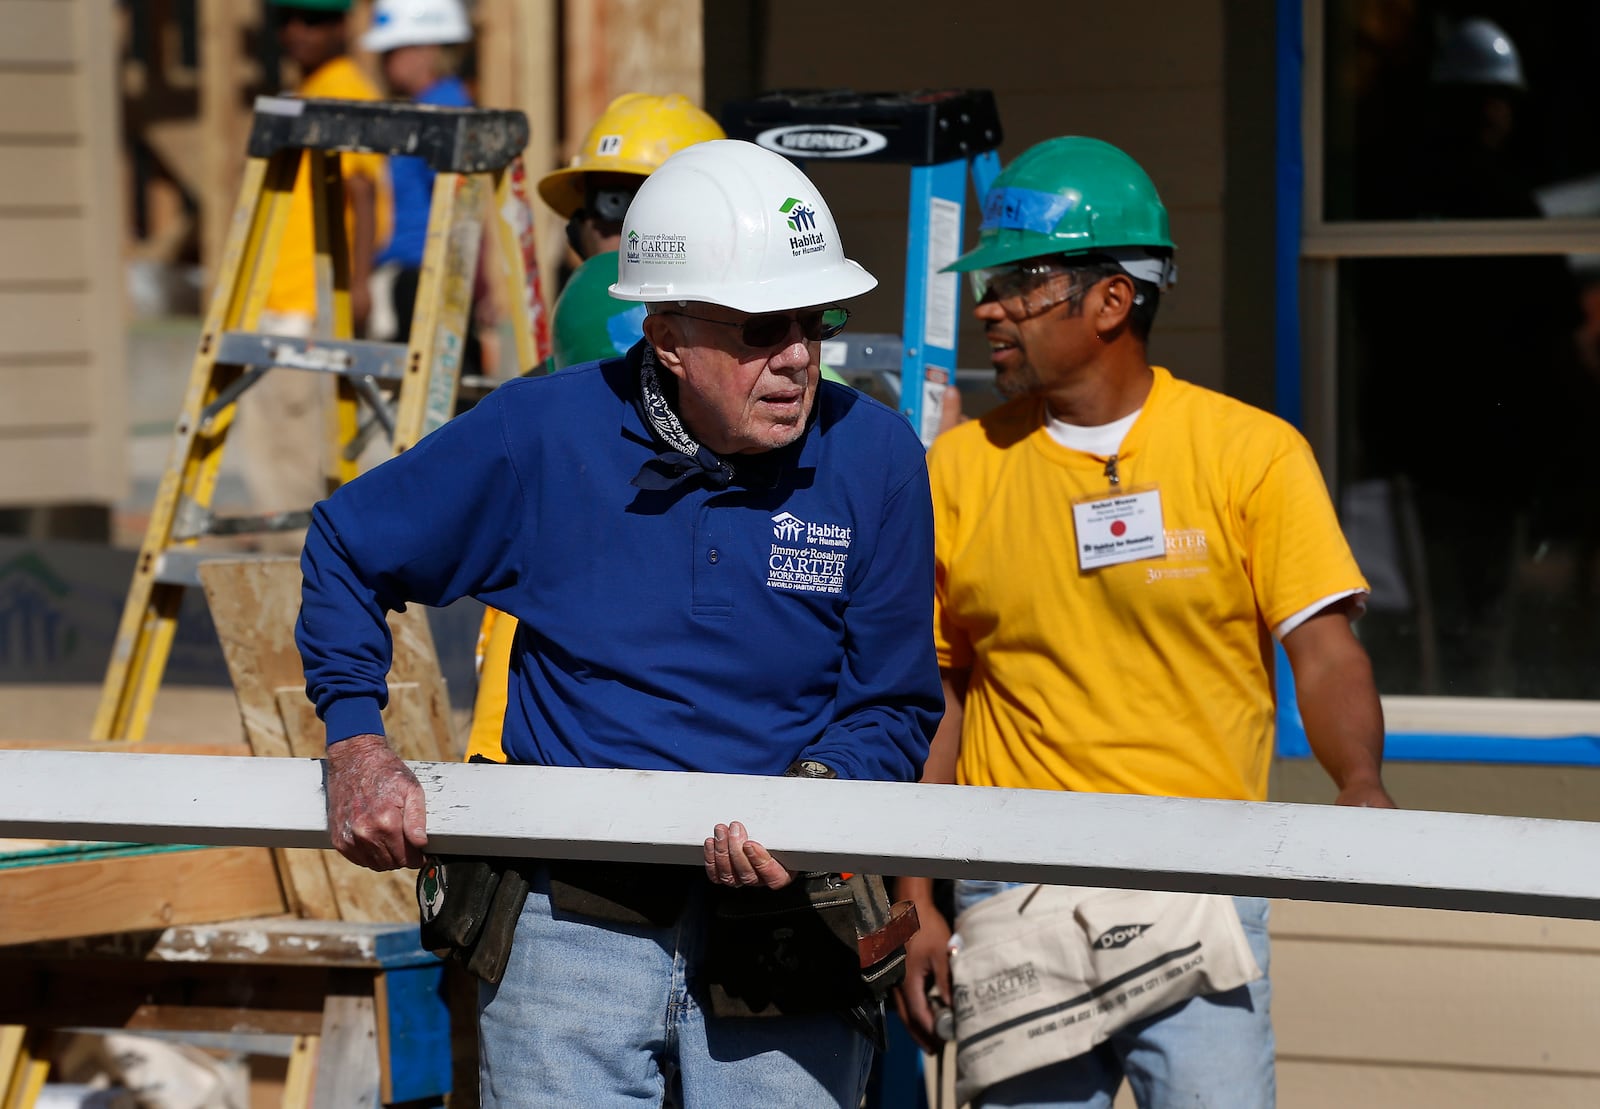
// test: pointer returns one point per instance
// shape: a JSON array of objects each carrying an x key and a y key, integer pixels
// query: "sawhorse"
[
  {"x": 943, "y": 135},
  {"x": 365, "y": 1003}
]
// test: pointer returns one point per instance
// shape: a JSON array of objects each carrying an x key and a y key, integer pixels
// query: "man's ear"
[
  {"x": 1116, "y": 302},
  {"x": 662, "y": 332}
]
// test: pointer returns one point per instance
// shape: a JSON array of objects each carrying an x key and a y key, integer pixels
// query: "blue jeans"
[
  {"x": 597, "y": 1014},
  {"x": 1215, "y": 1051}
]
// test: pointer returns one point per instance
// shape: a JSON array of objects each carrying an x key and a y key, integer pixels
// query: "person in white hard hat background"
[
  {"x": 719, "y": 563},
  {"x": 419, "y": 44}
]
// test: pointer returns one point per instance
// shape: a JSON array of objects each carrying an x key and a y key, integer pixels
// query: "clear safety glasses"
[
  {"x": 772, "y": 329},
  {"x": 1027, "y": 288}
]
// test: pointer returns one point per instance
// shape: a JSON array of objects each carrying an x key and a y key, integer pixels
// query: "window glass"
[
  {"x": 1469, "y": 472},
  {"x": 1453, "y": 109}
]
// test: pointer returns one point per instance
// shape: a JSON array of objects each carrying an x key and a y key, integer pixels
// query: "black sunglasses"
[{"x": 767, "y": 331}]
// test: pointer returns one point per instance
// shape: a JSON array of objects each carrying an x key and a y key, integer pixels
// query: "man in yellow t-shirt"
[
  {"x": 1117, "y": 551},
  {"x": 283, "y": 419}
]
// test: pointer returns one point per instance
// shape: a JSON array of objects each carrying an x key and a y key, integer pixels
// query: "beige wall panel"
[
  {"x": 1033, "y": 46},
  {"x": 39, "y": 32},
  {"x": 1449, "y": 1006},
  {"x": 1194, "y": 355},
  {"x": 1153, "y": 85},
  {"x": 52, "y": 469},
  {"x": 39, "y": 248},
  {"x": 1174, "y": 133},
  {"x": 50, "y": 176},
  {"x": 1196, "y": 300},
  {"x": 1311, "y": 920},
  {"x": 39, "y": 103},
  {"x": 1554, "y": 792},
  {"x": 1304, "y": 1084},
  {"x": 42, "y": 323},
  {"x": 47, "y": 396}
]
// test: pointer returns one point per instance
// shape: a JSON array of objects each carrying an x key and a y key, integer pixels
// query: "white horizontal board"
[{"x": 1311, "y": 852}]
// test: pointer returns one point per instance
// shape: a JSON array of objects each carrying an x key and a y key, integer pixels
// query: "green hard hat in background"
[
  {"x": 1070, "y": 195},
  {"x": 312, "y": 5},
  {"x": 589, "y": 323}
]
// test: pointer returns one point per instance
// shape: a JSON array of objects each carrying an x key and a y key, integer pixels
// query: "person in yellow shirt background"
[
  {"x": 283, "y": 418},
  {"x": 1117, "y": 552}
]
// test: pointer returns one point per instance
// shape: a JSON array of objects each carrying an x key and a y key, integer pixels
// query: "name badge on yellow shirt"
[{"x": 1124, "y": 527}]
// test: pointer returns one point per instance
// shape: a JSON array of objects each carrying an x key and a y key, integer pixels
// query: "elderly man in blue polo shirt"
[{"x": 719, "y": 563}]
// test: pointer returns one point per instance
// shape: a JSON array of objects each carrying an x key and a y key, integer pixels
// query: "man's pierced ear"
[{"x": 1119, "y": 299}]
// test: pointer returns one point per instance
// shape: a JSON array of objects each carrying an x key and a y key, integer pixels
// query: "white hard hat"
[
  {"x": 397, "y": 23},
  {"x": 726, "y": 222},
  {"x": 1478, "y": 52}
]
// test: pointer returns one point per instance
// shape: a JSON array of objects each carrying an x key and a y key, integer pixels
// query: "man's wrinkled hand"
[
  {"x": 734, "y": 859},
  {"x": 377, "y": 817}
]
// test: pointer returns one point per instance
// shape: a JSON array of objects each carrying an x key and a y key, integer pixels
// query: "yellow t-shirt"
[
  {"x": 294, "y": 287},
  {"x": 1150, "y": 677}
]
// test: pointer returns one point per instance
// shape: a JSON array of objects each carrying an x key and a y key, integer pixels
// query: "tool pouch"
[
  {"x": 825, "y": 943},
  {"x": 469, "y": 908}
]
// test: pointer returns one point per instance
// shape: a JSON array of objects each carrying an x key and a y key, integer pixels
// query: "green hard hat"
[
  {"x": 1069, "y": 195},
  {"x": 590, "y": 324},
  {"x": 313, "y": 5}
]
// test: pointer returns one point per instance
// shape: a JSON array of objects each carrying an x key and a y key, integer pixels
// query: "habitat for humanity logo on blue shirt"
[{"x": 807, "y": 557}]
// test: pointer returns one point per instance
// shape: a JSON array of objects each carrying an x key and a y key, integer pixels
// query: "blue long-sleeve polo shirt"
[{"x": 732, "y": 630}]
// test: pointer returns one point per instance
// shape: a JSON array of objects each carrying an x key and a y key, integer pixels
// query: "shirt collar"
[{"x": 679, "y": 458}]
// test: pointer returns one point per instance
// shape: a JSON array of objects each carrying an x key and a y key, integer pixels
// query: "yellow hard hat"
[{"x": 635, "y": 134}]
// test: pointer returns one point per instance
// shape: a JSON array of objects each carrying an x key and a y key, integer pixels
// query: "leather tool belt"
[{"x": 824, "y": 943}]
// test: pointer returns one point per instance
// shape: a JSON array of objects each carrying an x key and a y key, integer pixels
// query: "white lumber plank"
[{"x": 1308, "y": 852}]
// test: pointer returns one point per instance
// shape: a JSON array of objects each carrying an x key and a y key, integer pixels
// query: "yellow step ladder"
[{"x": 476, "y": 156}]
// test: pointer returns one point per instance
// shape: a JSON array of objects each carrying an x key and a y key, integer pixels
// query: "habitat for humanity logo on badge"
[
  {"x": 802, "y": 219},
  {"x": 807, "y": 558},
  {"x": 660, "y": 248}
]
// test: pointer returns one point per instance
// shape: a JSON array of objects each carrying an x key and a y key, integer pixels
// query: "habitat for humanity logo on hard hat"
[
  {"x": 803, "y": 221},
  {"x": 662, "y": 249}
]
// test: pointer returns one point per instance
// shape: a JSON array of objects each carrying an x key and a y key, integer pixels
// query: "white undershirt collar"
[{"x": 1104, "y": 440}]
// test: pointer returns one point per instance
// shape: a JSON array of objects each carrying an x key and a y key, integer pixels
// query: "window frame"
[{"x": 1309, "y": 250}]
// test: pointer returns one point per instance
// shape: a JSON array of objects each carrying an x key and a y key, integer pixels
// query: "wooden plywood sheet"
[
  {"x": 149, "y": 891},
  {"x": 254, "y": 604}
]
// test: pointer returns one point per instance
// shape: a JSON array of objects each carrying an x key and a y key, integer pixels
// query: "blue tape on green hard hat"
[{"x": 1026, "y": 209}]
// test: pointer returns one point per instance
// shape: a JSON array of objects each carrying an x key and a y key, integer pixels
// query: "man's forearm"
[
  {"x": 1339, "y": 704},
  {"x": 945, "y": 750}
]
